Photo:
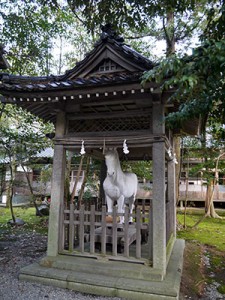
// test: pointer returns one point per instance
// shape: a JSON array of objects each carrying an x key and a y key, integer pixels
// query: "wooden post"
[
  {"x": 81, "y": 229},
  {"x": 103, "y": 238},
  {"x": 158, "y": 193},
  {"x": 126, "y": 235},
  {"x": 71, "y": 228},
  {"x": 150, "y": 231},
  {"x": 114, "y": 235},
  {"x": 92, "y": 230},
  {"x": 138, "y": 233},
  {"x": 57, "y": 190},
  {"x": 172, "y": 194}
]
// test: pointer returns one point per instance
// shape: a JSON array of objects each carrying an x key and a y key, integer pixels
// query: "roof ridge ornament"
[{"x": 109, "y": 32}]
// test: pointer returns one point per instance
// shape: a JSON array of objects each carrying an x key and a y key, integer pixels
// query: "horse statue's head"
[{"x": 112, "y": 162}]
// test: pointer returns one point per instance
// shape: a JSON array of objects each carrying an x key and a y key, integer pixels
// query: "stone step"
[{"x": 130, "y": 269}]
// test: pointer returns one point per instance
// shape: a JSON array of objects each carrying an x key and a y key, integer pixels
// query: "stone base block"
[{"x": 98, "y": 277}]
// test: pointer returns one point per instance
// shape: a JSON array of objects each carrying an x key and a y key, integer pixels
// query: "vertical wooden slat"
[
  {"x": 81, "y": 229},
  {"x": 150, "y": 231},
  {"x": 143, "y": 209},
  {"x": 92, "y": 230},
  {"x": 61, "y": 229},
  {"x": 138, "y": 233},
  {"x": 103, "y": 237},
  {"x": 126, "y": 235},
  {"x": 76, "y": 226},
  {"x": 71, "y": 227},
  {"x": 114, "y": 236}
]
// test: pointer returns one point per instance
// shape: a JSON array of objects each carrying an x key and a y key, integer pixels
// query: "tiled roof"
[
  {"x": 71, "y": 78},
  {"x": 48, "y": 152},
  {"x": 118, "y": 46},
  {"x": 24, "y": 83}
]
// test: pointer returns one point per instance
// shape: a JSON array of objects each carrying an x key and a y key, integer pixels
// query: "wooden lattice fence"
[{"x": 96, "y": 233}]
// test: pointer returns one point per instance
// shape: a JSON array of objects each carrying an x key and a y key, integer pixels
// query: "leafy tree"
[
  {"x": 39, "y": 38},
  {"x": 21, "y": 137},
  {"x": 198, "y": 82},
  {"x": 171, "y": 21},
  {"x": 143, "y": 169},
  {"x": 197, "y": 79},
  {"x": 210, "y": 166}
]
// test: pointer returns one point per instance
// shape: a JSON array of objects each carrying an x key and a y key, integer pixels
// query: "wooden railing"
[{"x": 97, "y": 233}]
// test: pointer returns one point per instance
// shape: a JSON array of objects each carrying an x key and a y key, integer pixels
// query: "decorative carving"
[{"x": 107, "y": 31}]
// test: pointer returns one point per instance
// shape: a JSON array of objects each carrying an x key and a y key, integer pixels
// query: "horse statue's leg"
[
  {"x": 120, "y": 204},
  {"x": 131, "y": 207},
  {"x": 109, "y": 202}
]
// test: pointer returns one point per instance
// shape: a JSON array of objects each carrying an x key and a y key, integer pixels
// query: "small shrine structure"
[{"x": 101, "y": 102}]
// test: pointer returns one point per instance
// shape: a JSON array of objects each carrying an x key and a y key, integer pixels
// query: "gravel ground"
[
  {"x": 21, "y": 249},
  {"x": 17, "y": 251}
]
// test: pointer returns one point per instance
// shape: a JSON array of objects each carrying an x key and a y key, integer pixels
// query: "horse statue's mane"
[{"x": 119, "y": 187}]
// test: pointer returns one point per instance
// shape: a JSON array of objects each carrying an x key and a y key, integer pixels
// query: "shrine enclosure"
[{"x": 101, "y": 102}]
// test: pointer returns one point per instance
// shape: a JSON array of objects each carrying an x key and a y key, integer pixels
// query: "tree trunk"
[
  {"x": 103, "y": 174},
  {"x": 76, "y": 180},
  {"x": 12, "y": 168},
  {"x": 177, "y": 166},
  {"x": 80, "y": 198},
  {"x": 67, "y": 178},
  {"x": 209, "y": 204},
  {"x": 169, "y": 33},
  {"x": 209, "y": 196},
  {"x": 60, "y": 54},
  {"x": 186, "y": 192},
  {"x": 38, "y": 213},
  {"x": 210, "y": 209},
  {"x": 168, "y": 28}
]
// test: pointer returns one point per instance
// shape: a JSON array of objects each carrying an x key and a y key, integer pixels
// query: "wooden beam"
[
  {"x": 75, "y": 91},
  {"x": 109, "y": 115}
]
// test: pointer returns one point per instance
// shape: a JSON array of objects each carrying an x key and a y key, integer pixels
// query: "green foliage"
[
  {"x": 22, "y": 135},
  {"x": 143, "y": 169},
  {"x": 221, "y": 289},
  {"x": 172, "y": 21},
  {"x": 197, "y": 80},
  {"x": 127, "y": 13},
  {"x": 31, "y": 33},
  {"x": 27, "y": 28},
  {"x": 206, "y": 155}
]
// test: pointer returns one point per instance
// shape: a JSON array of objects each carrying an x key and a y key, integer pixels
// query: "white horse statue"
[{"x": 119, "y": 187}]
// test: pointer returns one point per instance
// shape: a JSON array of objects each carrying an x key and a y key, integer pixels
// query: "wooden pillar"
[
  {"x": 57, "y": 188},
  {"x": 158, "y": 195},
  {"x": 172, "y": 194}
]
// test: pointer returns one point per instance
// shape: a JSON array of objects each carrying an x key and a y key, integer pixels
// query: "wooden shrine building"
[{"x": 101, "y": 102}]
